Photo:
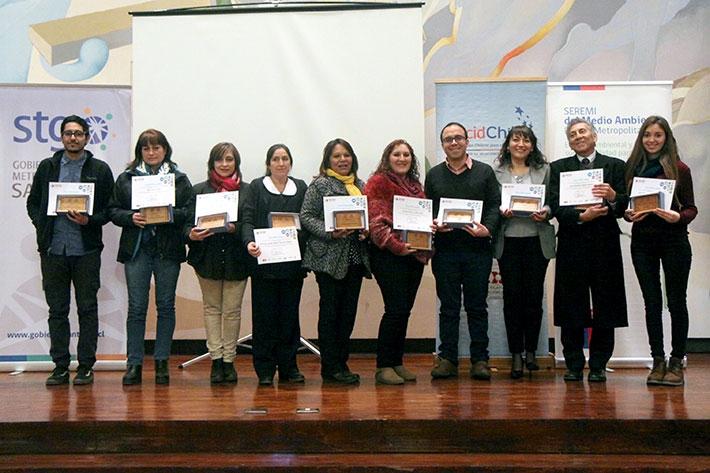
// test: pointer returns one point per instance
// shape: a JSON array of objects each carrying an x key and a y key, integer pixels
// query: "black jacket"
[
  {"x": 170, "y": 240},
  {"x": 259, "y": 203},
  {"x": 94, "y": 171},
  {"x": 221, "y": 256}
]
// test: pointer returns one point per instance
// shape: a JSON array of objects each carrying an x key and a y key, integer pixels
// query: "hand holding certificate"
[
  {"x": 277, "y": 245},
  {"x": 65, "y": 197},
  {"x": 576, "y": 187},
  {"x": 154, "y": 196},
  {"x": 522, "y": 199},
  {"x": 414, "y": 216},
  {"x": 345, "y": 213},
  {"x": 458, "y": 213},
  {"x": 215, "y": 211}
]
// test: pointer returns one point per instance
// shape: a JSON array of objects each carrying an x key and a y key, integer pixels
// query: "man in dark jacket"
[
  {"x": 69, "y": 244},
  {"x": 589, "y": 257}
]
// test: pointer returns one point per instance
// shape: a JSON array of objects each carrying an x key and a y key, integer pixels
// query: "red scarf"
[{"x": 224, "y": 184}]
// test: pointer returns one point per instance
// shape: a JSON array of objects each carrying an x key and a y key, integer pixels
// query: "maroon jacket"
[{"x": 380, "y": 191}]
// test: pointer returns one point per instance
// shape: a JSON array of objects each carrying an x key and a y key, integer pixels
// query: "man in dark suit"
[{"x": 589, "y": 258}]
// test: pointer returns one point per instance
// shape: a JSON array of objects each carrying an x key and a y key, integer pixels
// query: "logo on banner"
[{"x": 41, "y": 128}]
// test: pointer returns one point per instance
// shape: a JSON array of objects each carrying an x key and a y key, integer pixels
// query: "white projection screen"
[{"x": 280, "y": 74}]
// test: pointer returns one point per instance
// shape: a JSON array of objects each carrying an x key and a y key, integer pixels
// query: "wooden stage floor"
[{"x": 448, "y": 422}]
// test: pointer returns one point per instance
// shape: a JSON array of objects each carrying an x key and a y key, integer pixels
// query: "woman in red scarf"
[
  {"x": 220, "y": 262},
  {"x": 397, "y": 267}
]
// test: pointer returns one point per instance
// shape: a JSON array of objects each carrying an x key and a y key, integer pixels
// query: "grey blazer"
[
  {"x": 545, "y": 230},
  {"x": 323, "y": 252}
]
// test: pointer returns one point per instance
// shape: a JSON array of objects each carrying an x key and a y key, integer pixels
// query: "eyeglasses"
[
  {"x": 457, "y": 138},
  {"x": 70, "y": 133}
]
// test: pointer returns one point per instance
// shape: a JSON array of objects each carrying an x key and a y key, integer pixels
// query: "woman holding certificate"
[
  {"x": 396, "y": 265},
  {"x": 338, "y": 256},
  {"x": 150, "y": 203},
  {"x": 659, "y": 235},
  {"x": 219, "y": 260},
  {"x": 275, "y": 200},
  {"x": 524, "y": 243}
]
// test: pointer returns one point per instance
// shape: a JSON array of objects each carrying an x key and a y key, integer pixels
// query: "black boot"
[
  {"x": 531, "y": 361},
  {"x": 229, "y": 372},
  {"x": 216, "y": 375},
  {"x": 162, "y": 376},
  {"x": 133, "y": 375},
  {"x": 516, "y": 369}
]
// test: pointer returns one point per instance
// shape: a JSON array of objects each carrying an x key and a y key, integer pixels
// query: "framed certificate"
[
  {"x": 417, "y": 240},
  {"x": 217, "y": 223},
  {"x": 524, "y": 206},
  {"x": 647, "y": 202},
  {"x": 157, "y": 215},
  {"x": 284, "y": 219},
  {"x": 349, "y": 219},
  {"x": 345, "y": 212},
  {"x": 69, "y": 202},
  {"x": 458, "y": 218}
]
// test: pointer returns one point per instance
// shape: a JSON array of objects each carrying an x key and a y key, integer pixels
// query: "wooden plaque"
[
  {"x": 284, "y": 219},
  {"x": 349, "y": 219},
  {"x": 646, "y": 203},
  {"x": 158, "y": 215},
  {"x": 417, "y": 240},
  {"x": 524, "y": 206},
  {"x": 215, "y": 222},
  {"x": 77, "y": 203},
  {"x": 458, "y": 218}
]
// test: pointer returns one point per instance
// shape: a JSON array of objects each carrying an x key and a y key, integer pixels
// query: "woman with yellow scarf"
[{"x": 338, "y": 258}]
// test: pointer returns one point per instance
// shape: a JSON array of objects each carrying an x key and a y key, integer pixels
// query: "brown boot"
[
  {"x": 674, "y": 373},
  {"x": 658, "y": 371}
]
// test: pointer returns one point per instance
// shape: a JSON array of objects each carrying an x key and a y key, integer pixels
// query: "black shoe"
[
  {"x": 342, "y": 377},
  {"x": 572, "y": 375},
  {"x": 84, "y": 375},
  {"x": 229, "y": 372},
  {"x": 162, "y": 375},
  {"x": 266, "y": 380},
  {"x": 134, "y": 375},
  {"x": 217, "y": 372},
  {"x": 293, "y": 376},
  {"x": 531, "y": 361},
  {"x": 596, "y": 376},
  {"x": 59, "y": 376},
  {"x": 516, "y": 369},
  {"x": 347, "y": 371}
]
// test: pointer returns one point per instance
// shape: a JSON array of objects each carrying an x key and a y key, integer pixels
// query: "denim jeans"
[
  {"x": 452, "y": 271},
  {"x": 647, "y": 254},
  {"x": 58, "y": 274},
  {"x": 138, "y": 274}
]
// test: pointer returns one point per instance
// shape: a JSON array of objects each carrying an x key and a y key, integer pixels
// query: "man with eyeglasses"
[
  {"x": 463, "y": 256},
  {"x": 70, "y": 247},
  {"x": 589, "y": 260}
]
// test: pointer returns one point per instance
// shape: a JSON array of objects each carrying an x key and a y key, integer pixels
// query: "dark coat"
[
  {"x": 589, "y": 254},
  {"x": 220, "y": 256},
  {"x": 95, "y": 171},
  {"x": 171, "y": 244},
  {"x": 259, "y": 203}
]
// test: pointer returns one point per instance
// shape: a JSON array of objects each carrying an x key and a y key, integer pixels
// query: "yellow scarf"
[{"x": 348, "y": 180}]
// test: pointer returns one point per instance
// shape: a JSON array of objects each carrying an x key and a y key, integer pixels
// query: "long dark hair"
[
  {"x": 535, "y": 159},
  {"x": 150, "y": 136},
  {"x": 328, "y": 151},
  {"x": 668, "y": 156},
  {"x": 219, "y": 150},
  {"x": 270, "y": 154},
  {"x": 385, "y": 166}
]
